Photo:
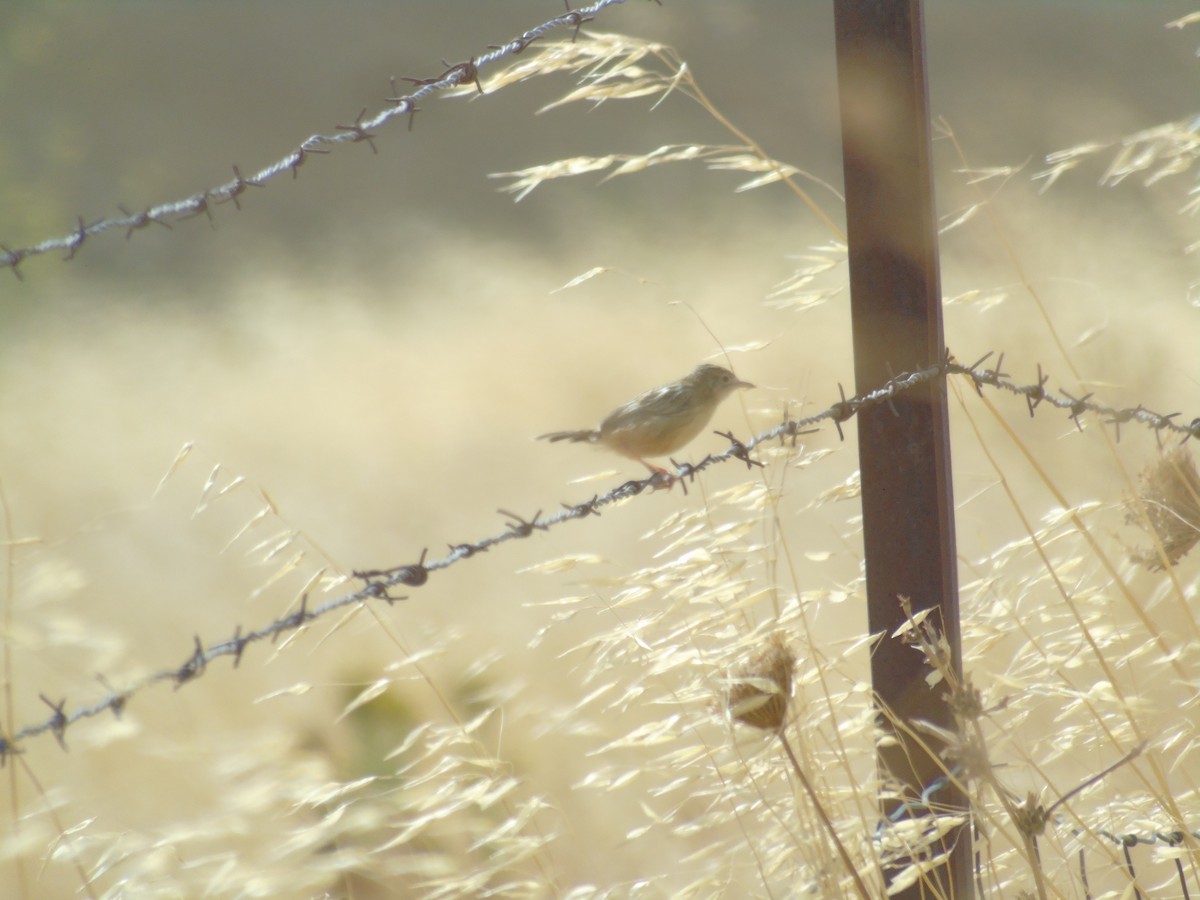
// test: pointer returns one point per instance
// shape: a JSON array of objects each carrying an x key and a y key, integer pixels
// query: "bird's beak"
[{"x": 743, "y": 384}]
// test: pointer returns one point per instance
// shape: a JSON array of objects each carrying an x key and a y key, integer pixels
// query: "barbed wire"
[
  {"x": 379, "y": 584},
  {"x": 361, "y": 131},
  {"x": 926, "y": 804}
]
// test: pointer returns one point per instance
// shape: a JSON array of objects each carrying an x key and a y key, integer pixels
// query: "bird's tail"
[{"x": 575, "y": 437}]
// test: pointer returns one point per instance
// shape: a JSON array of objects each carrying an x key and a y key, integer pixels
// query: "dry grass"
[{"x": 669, "y": 700}]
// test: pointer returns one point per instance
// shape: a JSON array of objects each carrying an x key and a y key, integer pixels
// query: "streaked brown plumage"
[{"x": 663, "y": 419}]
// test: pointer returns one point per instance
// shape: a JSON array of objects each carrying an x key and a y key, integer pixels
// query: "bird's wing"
[{"x": 657, "y": 403}]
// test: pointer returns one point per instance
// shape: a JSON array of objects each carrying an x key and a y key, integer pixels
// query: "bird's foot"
[{"x": 661, "y": 479}]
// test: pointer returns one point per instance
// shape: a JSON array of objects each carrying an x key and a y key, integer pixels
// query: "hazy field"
[{"x": 372, "y": 347}]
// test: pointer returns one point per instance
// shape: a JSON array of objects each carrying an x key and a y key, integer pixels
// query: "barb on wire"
[
  {"x": 578, "y": 18},
  {"x": 363, "y": 130},
  {"x": 468, "y": 71},
  {"x": 358, "y": 134},
  {"x": 140, "y": 220},
  {"x": 378, "y": 584},
  {"x": 57, "y": 723},
  {"x": 739, "y": 450}
]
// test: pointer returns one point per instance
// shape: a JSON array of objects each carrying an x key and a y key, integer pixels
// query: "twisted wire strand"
[
  {"x": 362, "y": 130},
  {"x": 379, "y": 584}
]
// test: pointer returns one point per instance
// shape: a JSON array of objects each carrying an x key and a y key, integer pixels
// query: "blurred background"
[{"x": 372, "y": 345}]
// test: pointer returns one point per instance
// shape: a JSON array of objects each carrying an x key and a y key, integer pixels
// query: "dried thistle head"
[
  {"x": 1169, "y": 495},
  {"x": 1030, "y": 817},
  {"x": 759, "y": 691}
]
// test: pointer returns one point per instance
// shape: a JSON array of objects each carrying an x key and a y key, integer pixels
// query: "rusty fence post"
[{"x": 904, "y": 447}]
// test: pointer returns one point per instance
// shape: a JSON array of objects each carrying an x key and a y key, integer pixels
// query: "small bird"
[{"x": 661, "y": 420}]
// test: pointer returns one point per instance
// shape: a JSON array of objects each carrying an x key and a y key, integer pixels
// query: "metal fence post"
[{"x": 904, "y": 448}]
